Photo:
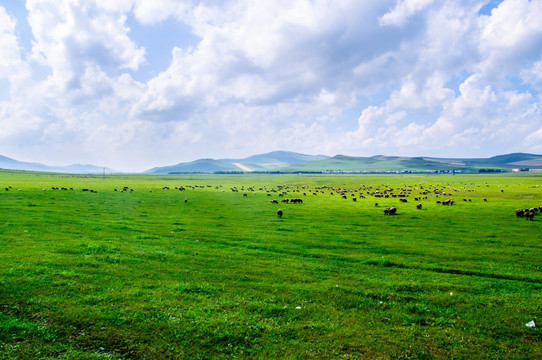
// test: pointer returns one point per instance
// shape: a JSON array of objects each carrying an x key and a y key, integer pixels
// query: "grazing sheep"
[
  {"x": 279, "y": 213},
  {"x": 390, "y": 211},
  {"x": 185, "y": 200},
  {"x": 274, "y": 201},
  {"x": 520, "y": 212},
  {"x": 419, "y": 206}
]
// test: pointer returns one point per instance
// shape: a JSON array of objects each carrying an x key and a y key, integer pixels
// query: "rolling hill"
[
  {"x": 271, "y": 161},
  {"x": 291, "y": 162},
  {"x": 197, "y": 166},
  {"x": 12, "y": 164},
  {"x": 282, "y": 161}
]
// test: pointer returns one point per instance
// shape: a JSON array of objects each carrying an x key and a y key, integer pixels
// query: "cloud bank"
[{"x": 408, "y": 77}]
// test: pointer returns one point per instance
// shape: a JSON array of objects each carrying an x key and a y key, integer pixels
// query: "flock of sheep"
[
  {"x": 360, "y": 193},
  {"x": 528, "y": 213}
]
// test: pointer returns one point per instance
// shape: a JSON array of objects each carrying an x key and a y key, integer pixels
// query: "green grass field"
[{"x": 146, "y": 275}]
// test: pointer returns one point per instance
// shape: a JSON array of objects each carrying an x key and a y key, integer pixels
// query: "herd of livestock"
[
  {"x": 402, "y": 193},
  {"x": 528, "y": 213}
]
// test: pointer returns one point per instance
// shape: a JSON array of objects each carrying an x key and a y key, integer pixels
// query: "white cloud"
[
  {"x": 150, "y": 12},
  {"x": 429, "y": 95},
  {"x": 402, "y": 11},
  {"x": 71, "y": 36},
  {"x": 10, "y": 58},
  {"x": 510, "y": 39},
  {"x": 425, "y": 76},
  {"x": 12, "y": 67}
]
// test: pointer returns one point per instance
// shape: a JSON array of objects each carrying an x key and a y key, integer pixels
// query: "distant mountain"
[
  {"x": 518, "y": 160},
  {"x": 380, "y": 163},
  {"x": 284, "y": 161},
  {"x": 198, "y": 166},
  {"x": 274, "y": 160},
  {"x": 374, "y": 164},
  {"x": 264, "y": 162},
  {"x": 12, "y": 164}
]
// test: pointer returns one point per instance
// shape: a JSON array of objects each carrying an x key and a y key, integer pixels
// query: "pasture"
[{"x": 144, "y": 274}]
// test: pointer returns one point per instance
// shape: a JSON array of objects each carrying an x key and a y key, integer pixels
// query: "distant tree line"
[{"x": 484, "y": 171}]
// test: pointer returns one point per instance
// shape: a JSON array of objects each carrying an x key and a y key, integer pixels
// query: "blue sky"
[{"x": 133, "y": 84}]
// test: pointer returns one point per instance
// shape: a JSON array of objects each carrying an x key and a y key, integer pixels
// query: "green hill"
[
  {"x": 376, "y": 164},
  {"x": 198, "y": 166}
]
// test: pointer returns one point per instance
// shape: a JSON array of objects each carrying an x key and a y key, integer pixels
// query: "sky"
[{"x": 134, "y": 84}]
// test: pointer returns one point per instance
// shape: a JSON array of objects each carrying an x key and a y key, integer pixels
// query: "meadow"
[{"x": 211, "y": 273}]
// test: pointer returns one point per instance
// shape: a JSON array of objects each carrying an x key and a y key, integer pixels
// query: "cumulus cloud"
[
  {"x": 421, "y": 76},
  {"x": 510, "y": 40},
  {"x": 12, "y": 66},
  {"x": 402, "y": 11},
  {"x": 72, "y": 36}
]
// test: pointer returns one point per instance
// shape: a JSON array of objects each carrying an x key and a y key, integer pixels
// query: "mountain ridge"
[
  {"x": 12, "y": 164},
  {"x": 285, "y": 162}
]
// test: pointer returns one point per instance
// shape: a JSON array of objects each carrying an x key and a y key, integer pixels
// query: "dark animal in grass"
[
  {"x": 390, "y": 211},
  {"x": 185, "y": 200},
  {"x": 279, "y": 213},
  {"x": 419, "y": 206},
  {"x": 274, "y": 201},
  {"x": 529, "y": 215},
  {"x": 520, "y": 212},
  {"x": 293, "y": 201}
]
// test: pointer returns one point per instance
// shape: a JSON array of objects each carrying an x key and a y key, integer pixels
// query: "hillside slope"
[{"x": 12, "y": 164}]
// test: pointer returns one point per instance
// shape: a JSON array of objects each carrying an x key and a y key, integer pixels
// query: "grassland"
[{"x": 146, "y": 275}]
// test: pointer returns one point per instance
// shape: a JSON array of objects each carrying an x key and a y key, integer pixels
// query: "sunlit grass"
[{"x": 147, "y": 275}]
